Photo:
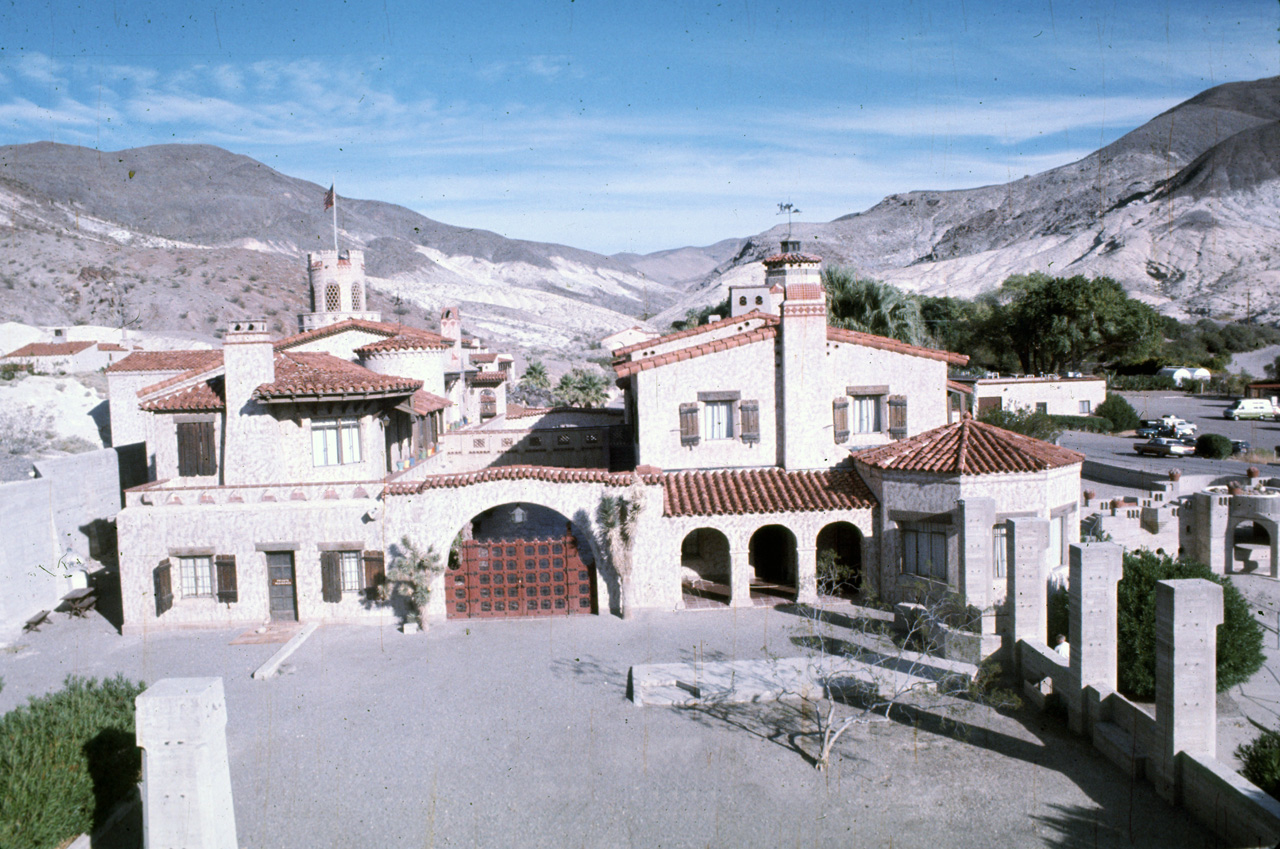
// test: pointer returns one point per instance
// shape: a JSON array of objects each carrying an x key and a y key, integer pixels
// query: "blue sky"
[{"x": 622, "y": 126}]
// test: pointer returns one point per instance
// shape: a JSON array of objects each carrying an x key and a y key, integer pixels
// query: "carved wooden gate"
[{"x": 519, "y": 577}]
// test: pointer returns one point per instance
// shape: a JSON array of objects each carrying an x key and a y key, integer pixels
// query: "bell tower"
[{"x": 338, "y": 289}]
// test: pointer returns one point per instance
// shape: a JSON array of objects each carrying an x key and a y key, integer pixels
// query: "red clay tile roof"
[
  {"x": 956, "y": 386},
  {"x": 692, "y": 493},
  {"x": 380, "y": 328},
  {"x": 506, "y": 473},
  {"x": 968, "y": 447},
  {"x": 718, "y": 493},
  {"x": 312, "y": 374},
  {"x": 167, "y": 361},
  {"x": 410, "y": 339},
  {"x": 487, "y": 378},
  {"x": 50, "y": 349},
  {"x": 692, "y": 331},
  {"x": 884, "y": 343},
  {"x": 784, "y": 259},
  {"x": 484, "y": 358},
  {"x": 747, "y": 337},
  {"x": 110, "y": 346},
  {"x": 424, "y": 402},
  {"x": 203, "y": 397},
  {"x": 213, "y": 368},
  {"x": 803, "y": 292}
]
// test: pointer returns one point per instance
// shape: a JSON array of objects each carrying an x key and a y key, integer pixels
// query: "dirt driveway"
[{"x": 500, "y": 734}]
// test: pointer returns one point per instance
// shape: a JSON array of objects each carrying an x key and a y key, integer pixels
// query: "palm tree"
[
  {"x": 871, "y": 306},
  {"x": 582, "y": 387},
  {"x": 535, "y": 376}
]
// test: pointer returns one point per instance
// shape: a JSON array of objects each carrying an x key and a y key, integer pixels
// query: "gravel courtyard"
[{"x": 495, "y": 734}]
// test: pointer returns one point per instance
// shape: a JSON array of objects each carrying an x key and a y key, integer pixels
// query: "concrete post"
[
  {"x": 1188, "y": 613},
  {"x": 186, "y": 779},
  {"x": 1095, "y": 569},
  {"x": 806, "y": 575},
  {"x": 1203, "y": 534},
  {"x": 739, "y": 578},
  {"x": 977, "y": 518},
  {"x": 1027, "y": 541}
]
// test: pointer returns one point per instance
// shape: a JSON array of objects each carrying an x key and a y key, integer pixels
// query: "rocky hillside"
[
  {"x": 1182, "y": 211},
  {"x": 182, "y": 237}
]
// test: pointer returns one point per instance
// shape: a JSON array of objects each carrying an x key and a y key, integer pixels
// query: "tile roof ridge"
[
  {"x": 194, "y": 375},
  {"x": 887, "y": 343},
  {"x": 769, "y": 318}
]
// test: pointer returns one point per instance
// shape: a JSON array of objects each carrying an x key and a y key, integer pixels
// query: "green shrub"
[
  {"x": 1140, "y": 382},
  {"x": 1025, "y": 421},
  {"x": 1118, "y": 411},
  {"x": 1213, "y": 445},
  {"x": 1261, "y": 759},
  {"x": 1089, "y": 424},
  {"x": 65, "y": 760},
  {"x": 1239, "y": 635}
]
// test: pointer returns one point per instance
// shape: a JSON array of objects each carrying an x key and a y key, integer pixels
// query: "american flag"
[{"x": 328, "y": 199}]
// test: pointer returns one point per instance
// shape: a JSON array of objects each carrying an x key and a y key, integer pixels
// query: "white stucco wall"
[{"x": 1062, "y": 397}]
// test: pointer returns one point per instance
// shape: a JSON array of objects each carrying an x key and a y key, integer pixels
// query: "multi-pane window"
[
  {"x": 332, "y": 298},
  {"x": 1086, "y": 408},
  {"x": 866, "y": 414},
  {"x": 335, "y": 442},
  {"x": 352, "y": 571},
  {"x": 924, "y": 551},
  {"x": 999, "y": 550},
  {"x": 196, "y": 574},
  {"x": 717, "y": 419}
]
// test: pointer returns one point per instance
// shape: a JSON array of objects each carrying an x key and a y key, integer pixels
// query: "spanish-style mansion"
[{"x": 288, "y": 473}]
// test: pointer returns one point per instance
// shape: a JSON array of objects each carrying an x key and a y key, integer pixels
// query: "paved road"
[
  {"x": 498, "y": 734},
  {"x": 1204, "y": 411}
]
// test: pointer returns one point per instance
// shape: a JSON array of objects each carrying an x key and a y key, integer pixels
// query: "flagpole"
[{"x": 335, "y": 218}]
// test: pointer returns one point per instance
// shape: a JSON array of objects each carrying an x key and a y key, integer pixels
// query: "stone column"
[
  {"x": 1027, "y": 541},
  {"x": 1188, "y": 613},
  {"x": 977, "y": 517},
  {"x": 1095, "y": 569},
  {"x": 186, "y": 778},
  {"x": 1204, "y": 533},
  {"x": 739, "y": 577},
  {"x": 806, "y": 575}
]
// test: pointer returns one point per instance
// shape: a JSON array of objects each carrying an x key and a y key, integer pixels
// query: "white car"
[{"x": 1163, "y": 446}]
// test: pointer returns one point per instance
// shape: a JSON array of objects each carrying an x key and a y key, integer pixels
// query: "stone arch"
[
  {"x": 435, "y": 516},
  {"x": 772, "y": 553},
  {"x": 1253, "y": 545},
  {"x": 842, "y": 541},
  {"x": 704, "y": 557}
]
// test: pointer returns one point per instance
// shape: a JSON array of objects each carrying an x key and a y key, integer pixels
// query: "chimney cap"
[{"x": 248, "y": 325}]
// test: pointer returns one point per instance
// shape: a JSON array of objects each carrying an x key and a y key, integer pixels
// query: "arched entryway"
[
  {"x": 839, "y": 560},
  {"x": 772, "y": 553},
  {"x": 1251, "y": 547},
  {"x": 705, "y": 568},
  {"x": 519, "y": 560}
]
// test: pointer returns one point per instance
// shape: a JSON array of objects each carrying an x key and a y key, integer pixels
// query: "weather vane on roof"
[{"x": 790, "y": 209}]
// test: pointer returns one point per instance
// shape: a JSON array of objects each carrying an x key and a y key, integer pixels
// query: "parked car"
[
  {"x": 1148, "y": 428},
  {"x": 1250, "y": 408},
  {"x": 1239, "y": 446},
  {"x": 1163, "y": 446}
]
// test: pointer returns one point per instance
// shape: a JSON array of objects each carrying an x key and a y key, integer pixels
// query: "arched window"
[
  {"x": 332, "y": 300},
  {"x": 357, "y": 297}
]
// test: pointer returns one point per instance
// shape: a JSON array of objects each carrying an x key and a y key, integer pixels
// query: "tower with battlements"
[{"x": 338, "y": 289}]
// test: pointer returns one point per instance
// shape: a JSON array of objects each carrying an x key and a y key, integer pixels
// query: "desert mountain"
[
  {"x": 1182, "y": 211},
  {"x": 185, "y": 236}
]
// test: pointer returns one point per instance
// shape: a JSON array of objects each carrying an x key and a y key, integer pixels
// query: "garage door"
[{"x": 519, "y": 577}]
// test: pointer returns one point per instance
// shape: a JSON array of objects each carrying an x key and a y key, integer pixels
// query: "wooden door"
[{"x": 280, "y": 578}]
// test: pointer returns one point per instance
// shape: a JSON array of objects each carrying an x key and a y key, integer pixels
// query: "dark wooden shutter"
[
  {"x": 163, "y": 586},
  {"x": 330, "y": 577},
  {"x": 375, "y": 572},
  {"x": 898, "y": 416},
  {"x": 689, "y": 424},
  {"x": 840, "y": 415},
  {"x": 750, "y": 412},
  {"x": 208, "y": 459},
  {"x": 225, "y": 571},
  {"x": 196, "y": 452}
]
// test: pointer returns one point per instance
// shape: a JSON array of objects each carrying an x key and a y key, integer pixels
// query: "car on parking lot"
[
  {"x": 1148, "y": 428},
  {"x": 1163, "y": 446},
  {"x": 1239, "y": 446}
]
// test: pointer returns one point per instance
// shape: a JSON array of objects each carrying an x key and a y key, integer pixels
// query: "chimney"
[
  {"x": 248, "y": 359},
  {"x": 805, "y": 407}
]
